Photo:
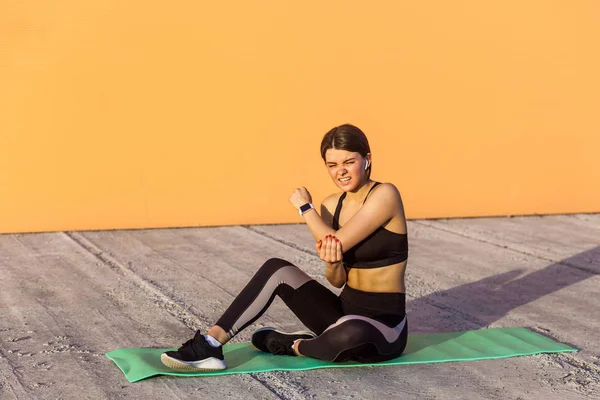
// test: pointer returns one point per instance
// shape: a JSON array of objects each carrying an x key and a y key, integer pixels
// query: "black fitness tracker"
[{"x": 306, "y": 207}]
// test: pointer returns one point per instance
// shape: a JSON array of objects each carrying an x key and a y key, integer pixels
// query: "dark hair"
[{"x": 346, "y": 137}]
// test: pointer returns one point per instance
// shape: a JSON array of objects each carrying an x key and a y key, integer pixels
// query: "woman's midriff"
[{"x": 389, "y": 279}]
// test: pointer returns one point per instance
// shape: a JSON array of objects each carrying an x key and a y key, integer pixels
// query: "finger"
[
  {"x": 338, "y": 250},
  {"x": 323, "y": 250},
  {"x": 334, "y": 246},
  {"x": 331, "y": 249}
]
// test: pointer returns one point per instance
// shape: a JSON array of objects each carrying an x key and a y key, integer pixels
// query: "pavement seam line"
[
  {"x": 168, "y": 257},
  {"x": 15, "y": 373},
  {"x": 506, "y": 247},
  {"x": 284, "y": 242},
  {"x": 113, "y": 264},
  {"x": 146, "y": 285}
]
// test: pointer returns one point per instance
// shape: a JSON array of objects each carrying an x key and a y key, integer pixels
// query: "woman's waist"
[
  {"x": 388, "y": 279},
  {"x": 389, "y": 302}
]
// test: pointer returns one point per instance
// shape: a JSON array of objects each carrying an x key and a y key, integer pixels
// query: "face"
[{"x": 346, "y": 169}]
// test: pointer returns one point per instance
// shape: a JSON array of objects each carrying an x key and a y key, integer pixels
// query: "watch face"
[{"x": 305, "y": 207}]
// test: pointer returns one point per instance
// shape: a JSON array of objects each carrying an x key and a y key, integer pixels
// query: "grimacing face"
[{"x": 346, "y": 168}]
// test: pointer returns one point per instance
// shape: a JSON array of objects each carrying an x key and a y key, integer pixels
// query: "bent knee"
[{"x": 272, "y": 265}]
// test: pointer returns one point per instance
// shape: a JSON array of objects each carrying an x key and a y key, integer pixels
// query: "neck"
[{"x": 359, "y": 194}]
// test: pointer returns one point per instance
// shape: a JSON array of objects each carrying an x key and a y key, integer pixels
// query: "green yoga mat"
[{"x": 243, "y": 358}]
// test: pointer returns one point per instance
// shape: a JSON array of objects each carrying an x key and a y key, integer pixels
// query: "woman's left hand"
[
  {"x": 300, "y": 197},
  {"x": 330, "y": 249}
]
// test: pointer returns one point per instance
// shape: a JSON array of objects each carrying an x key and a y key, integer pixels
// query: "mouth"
[{"x": 344, "y": 180}]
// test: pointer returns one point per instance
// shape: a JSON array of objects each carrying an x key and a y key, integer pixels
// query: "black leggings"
[{"x": 360, "y": 326}]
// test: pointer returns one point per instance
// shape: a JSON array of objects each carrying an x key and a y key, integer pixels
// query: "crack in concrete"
[
  {"x": 582, "y": 376},
  {"x": 174, "y": 308},
  {"x": 284, "y": 242},
  {"x": 170, "y": 304},
  {"x": 506, "y": 247},
  {"x": 174, "y": 261},
  {"x": 15, "y": 372},
  {"x": 582, "y": 364}
]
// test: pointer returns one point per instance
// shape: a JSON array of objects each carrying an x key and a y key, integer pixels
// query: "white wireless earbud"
[{"x": 367, "y": 165}]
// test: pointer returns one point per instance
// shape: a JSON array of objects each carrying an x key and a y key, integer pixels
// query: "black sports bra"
[{"x": 381, "y": 248}]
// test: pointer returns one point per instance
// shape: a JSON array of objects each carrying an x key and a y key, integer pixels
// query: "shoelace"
[{"x": 189, "y": 342}]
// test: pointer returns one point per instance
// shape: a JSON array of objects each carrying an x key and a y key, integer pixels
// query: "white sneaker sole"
[{"x": 208, "y": 364}]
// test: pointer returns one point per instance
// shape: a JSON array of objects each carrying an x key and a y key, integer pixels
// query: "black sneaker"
[
  {"x": 195, "y": 355},
  {"x": 279, "y": 343}
]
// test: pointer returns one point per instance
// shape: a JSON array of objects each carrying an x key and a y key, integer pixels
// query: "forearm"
[
  {"x": 316, "y": 225},
  {"x": 335, "y": 274}
]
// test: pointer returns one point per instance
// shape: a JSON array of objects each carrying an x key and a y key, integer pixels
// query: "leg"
[
  {"x": 359, "y": 338},
  {"x": 302, "y": 294}
]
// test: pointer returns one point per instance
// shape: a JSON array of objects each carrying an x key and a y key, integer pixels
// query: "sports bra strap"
[
  {"x": 338, "y": 208},
  {"x": 370, "y": 190}
]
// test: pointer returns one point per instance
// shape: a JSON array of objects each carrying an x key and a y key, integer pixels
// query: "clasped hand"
[{"x": 330, "y": 249}]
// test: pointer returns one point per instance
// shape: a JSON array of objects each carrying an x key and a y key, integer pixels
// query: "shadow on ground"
[{"x": 486, "y": 301}]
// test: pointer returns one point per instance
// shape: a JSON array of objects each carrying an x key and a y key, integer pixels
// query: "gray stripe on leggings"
[
  {"x": 390, "y": 334},
  {"x": 290, "y": 275}
]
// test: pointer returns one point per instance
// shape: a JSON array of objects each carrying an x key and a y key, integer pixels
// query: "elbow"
[{"x": 331, "y": 232}]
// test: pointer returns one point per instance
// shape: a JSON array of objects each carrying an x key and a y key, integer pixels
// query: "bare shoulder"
[
  {"x": 386, "y": 196},
  {"x": 387, "y": 192},
  {"x": 330, "y": 202},
  {"x": 389, "y": 198}
]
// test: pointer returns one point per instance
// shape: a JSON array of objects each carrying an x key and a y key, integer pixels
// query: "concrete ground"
[{"x": 67, "y": 298}]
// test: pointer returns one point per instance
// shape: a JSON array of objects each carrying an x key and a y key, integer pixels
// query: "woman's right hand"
[{"x": 330, "y": 249}]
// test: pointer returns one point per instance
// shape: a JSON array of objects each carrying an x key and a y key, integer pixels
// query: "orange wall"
[{"x": 140, "y": 114}]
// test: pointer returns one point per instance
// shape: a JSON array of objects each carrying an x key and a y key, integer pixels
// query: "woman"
[{"x": 361, "y": 237}]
